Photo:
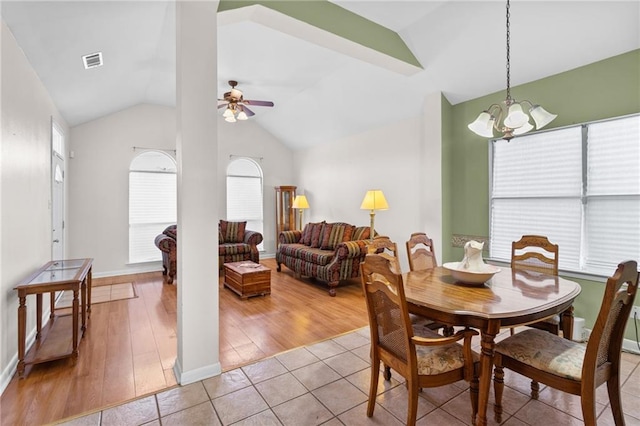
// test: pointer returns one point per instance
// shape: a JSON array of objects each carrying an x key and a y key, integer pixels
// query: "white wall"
[
  {"x": 335, "y": 176},
  {"x": 25, "y": 189},
  {"x": 99, "y": 179}
]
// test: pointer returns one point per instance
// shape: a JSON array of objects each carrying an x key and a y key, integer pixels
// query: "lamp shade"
[
  {"x": 541, "y": 116},
  {"x": 374, "y": 200},
  {"x": 523, "y": 129},
  {"x": 483, "y": 126},
  {"x": 242, "y": 116},
  {"x": 300, "y": 202},
  {"x": 516, "y": 117},
  {"x": 228, "y": 113}
]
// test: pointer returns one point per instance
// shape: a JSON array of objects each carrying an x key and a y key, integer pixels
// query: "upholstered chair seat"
[{"x": 562, "y": 357}]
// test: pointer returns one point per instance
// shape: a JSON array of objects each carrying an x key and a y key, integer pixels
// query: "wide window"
[
  {"x": 152, "y": 203},
  {"x": 244, "y": 194},
  {"x": 579, "y": 186}
]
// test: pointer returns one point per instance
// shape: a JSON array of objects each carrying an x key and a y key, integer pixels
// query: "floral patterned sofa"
[
  {"x": 235, "y": 244},
  {"x": 329, "y": 252}
]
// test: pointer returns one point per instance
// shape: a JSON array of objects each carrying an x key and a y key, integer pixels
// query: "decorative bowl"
[{"x": 471, "y": 277}]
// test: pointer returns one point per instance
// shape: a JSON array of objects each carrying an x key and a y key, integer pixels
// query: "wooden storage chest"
[{"x": 247, "y": 278}]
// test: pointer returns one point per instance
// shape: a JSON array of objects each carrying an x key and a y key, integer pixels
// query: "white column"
[
  {"x": 197, "y": 156},
  {"x": 431, "y": 171}
]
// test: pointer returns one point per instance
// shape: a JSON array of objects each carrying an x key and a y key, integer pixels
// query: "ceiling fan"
[{"x": 236, "y": 105}]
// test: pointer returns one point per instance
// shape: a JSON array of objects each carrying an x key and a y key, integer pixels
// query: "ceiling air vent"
[{"x": 93, "y": 60}]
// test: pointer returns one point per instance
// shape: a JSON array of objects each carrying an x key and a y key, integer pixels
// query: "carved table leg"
[
  {"x": 486, "y": 363},
  {"x": 52, "y": 305},
  {"x": 498, "y": 386},
  {"x": 89, "y": 286},
  {"x": 38, "y": 315},
  {"x": 75, "y": 312},
  {"x": 83, "y": 304},
  {"x": 22, "y": 330},
  {"x": 566, "y": 323}
]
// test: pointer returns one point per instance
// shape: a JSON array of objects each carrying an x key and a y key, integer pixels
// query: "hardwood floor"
[{"x": 130, "y": 345}]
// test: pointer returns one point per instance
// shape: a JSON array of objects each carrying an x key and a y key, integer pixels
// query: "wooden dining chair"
[
  {"x": 384, "y": 246},
  {"x": 570, "y": 366},
  {"x": 424, "y": 358},
  {"x": 422, "y": 256},
  {"x": 420, "y": 252},
  {"x": 535, "y": 253}
]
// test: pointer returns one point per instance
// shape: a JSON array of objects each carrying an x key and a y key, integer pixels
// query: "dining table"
[{"x": 508, "y": 299}]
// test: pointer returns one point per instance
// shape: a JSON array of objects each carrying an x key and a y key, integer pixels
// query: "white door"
[{"x": 57, "y": 193}]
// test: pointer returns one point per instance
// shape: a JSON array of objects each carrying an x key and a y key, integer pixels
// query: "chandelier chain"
[{"x": 508, "y": 57}]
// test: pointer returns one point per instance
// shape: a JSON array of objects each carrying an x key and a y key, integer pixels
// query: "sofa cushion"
[
  {"x": 233, "y": 248},
  {"x": 361, "y": 233},
  {"x": 316, "y": 234},
  {"x": 306, "y": 254},
  {"x": 306, "y": 233},
  {"x": 232, "y": 232},
  {"x": 220, "y": 235},
  {"x": 335, "y": 233}
]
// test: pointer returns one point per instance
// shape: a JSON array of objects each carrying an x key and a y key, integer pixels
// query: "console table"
[{"x": 55, "y": 340}]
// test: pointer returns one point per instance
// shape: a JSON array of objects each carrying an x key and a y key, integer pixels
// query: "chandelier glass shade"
[
  {"x": 234, "y": 113},
  {"x": 510, "y": 117}
]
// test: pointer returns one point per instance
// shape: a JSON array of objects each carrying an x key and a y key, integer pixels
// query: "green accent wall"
[
  {"x": 337, "y": 20},
  {"x": 604, "y": 89}
]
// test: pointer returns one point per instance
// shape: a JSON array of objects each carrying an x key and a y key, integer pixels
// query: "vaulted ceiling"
[{"x": 330, "y": 72}]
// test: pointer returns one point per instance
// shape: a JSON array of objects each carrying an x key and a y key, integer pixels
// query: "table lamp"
[
  {"x": 300, "y": 203},
  {"x": 374, "y": 200}
]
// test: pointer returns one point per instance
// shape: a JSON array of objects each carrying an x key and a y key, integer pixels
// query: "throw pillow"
[
  {"x": 316, "y": 234},
  {"x": 335, "y": 233},
  {"x": 232, "y": 232},
  {"x": 361, "y": 233},
  {"x": 220, "y": 235},
  {"x": 306, "y": 233}
]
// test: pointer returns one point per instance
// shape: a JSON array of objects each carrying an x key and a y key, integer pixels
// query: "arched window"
[
  {"x": 152, "y": 203},
  {"x": 244, "y": 194}
]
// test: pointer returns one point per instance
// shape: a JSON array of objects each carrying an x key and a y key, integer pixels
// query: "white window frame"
[
  {"x": 255, "y": 218},
  {"x": 161, "y": 206},
  {"x": 626, "y": 190}
]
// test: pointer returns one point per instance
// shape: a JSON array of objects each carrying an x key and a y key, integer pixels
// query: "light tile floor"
[{"x": 327, "y": 383}]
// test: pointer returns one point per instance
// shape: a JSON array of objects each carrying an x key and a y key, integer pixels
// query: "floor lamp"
[
  {"x": 374, "y": 200},
  {"x": 300, "y": 203}
]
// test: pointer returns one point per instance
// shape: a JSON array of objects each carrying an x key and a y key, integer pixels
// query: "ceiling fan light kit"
[
  {"x": 516, "y": 120},
  {"x": 236, "y": 106}
]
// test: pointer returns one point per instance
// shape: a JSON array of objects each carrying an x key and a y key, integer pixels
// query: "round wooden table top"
[{"x": 515, "y": 297}]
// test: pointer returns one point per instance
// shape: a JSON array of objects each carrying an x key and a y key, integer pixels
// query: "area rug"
[{"x": 101, "y": 294}]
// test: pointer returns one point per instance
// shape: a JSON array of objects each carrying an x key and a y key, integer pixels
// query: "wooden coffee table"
[{"x": 247, "y": 278}]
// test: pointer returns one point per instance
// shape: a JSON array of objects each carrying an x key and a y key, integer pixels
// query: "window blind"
[
  {"x": 152, "y": 203},
  {"x": 579, "y": 186},
  {"x": 244, "y": 194},
  {"x": 613, "y": 194}
]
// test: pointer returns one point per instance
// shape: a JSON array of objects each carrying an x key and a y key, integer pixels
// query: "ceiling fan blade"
[
  {"x": 248, "y": 111},
  {"x": 258, "y": 103},
  {"x": 222, "y": 105}
]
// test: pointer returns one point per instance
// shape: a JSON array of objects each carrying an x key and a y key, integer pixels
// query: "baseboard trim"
[
  {"x": 10, "y": 371},
  {"x": 187, "y": 377},
  {"x": 141, "y": 268}
]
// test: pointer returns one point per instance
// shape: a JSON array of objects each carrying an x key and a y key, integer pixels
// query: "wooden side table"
[
  {"x": 54, "y": 341},
  {"x": 247, "y": 278}
]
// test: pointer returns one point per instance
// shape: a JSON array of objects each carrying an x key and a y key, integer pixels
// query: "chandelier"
[{"x": 509, "y": 117}]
